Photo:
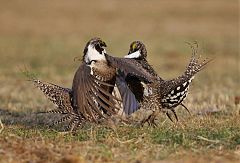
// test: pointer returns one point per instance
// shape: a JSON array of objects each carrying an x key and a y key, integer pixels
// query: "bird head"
[
  {"x": 137, "y": 50},
  {"x": 94, "y": 50}
]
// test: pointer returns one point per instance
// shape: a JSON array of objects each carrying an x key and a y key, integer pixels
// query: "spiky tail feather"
[
  {"x": 59, "y": 96},
  {"x": 195, "y": 65},
  {"x": 54, "y": 111},
  {"x": 175, "y": 91}
]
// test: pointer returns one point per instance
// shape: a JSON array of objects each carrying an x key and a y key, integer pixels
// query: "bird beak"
[{"x": 130, "y": 51}]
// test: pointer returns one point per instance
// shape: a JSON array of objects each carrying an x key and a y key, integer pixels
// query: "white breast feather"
[
  {"x": 136, "y": 54},
  {"x": 93, "y": 54}
]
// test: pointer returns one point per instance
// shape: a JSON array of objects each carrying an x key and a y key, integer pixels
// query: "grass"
[
  {"x": 46, "y": 36},
  {"x": 168, "y": 141}
]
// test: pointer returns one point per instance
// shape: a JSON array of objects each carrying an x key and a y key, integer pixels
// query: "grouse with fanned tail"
[
  {"x": 162, "y": 94},
  {"x": 100, "y": 65},
  {"x": 91, "y": 95}
]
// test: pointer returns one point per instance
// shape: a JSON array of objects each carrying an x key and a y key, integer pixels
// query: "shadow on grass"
[{"x": 29, "y": 119}]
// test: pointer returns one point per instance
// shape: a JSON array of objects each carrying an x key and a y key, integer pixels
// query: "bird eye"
[
  {"x": 99, "y": 48},
  {"x": 134, "y": 46}
]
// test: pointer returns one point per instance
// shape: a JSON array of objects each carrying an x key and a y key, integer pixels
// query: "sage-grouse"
[
  {"x": 162, "y": 94},
  {"x": 91, "y": 95}
]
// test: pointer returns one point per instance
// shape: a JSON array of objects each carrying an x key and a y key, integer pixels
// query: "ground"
[{"x": 46, "y": 36}]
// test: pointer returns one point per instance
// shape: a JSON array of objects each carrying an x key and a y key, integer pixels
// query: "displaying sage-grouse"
[
  {"x": 91, "y": 95},
  {"x": 97, "y": 63},
  {"x": 162, "y": 94}
]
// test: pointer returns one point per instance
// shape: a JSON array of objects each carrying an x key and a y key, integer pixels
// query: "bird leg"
[
  {"x": 170, "y": 117},
  {"x": 185, "y": 108},
  {"x": 151, "y": 119},
  {"x": 144, "y": 121},
  {"x": 175, "y": 115}
]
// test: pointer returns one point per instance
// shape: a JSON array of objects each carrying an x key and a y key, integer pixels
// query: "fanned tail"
[
  {"x": 195, "y": 65},
  {"x": 175, "y": 91},
  {"x": 59, "y": 96}
]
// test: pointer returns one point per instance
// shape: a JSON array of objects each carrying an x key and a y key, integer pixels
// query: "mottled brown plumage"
[
  {"x": 88, "y": 91},
  {"x": 105, "y": 68},
  {"x": 90, "y": 98},
  {"x": 62, "y": 98},
  {"x": 164, "y": 94}
]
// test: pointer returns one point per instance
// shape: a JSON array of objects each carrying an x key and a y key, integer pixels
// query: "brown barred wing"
[
  {"x": 89, "y": 96},
  {"x": 131, "y": 67}
]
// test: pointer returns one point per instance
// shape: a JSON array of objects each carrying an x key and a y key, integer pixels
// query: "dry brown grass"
[{"x": 47, "y": 35}]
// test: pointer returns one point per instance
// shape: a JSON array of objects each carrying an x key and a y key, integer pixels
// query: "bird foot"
[{"x": 150, "y": 120}]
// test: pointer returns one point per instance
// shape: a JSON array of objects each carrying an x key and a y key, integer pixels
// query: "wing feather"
[
  {"x": 89, "y": 96},
  {"x": 130, "y": 66},
  {"x": 130, "y": 104}
]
